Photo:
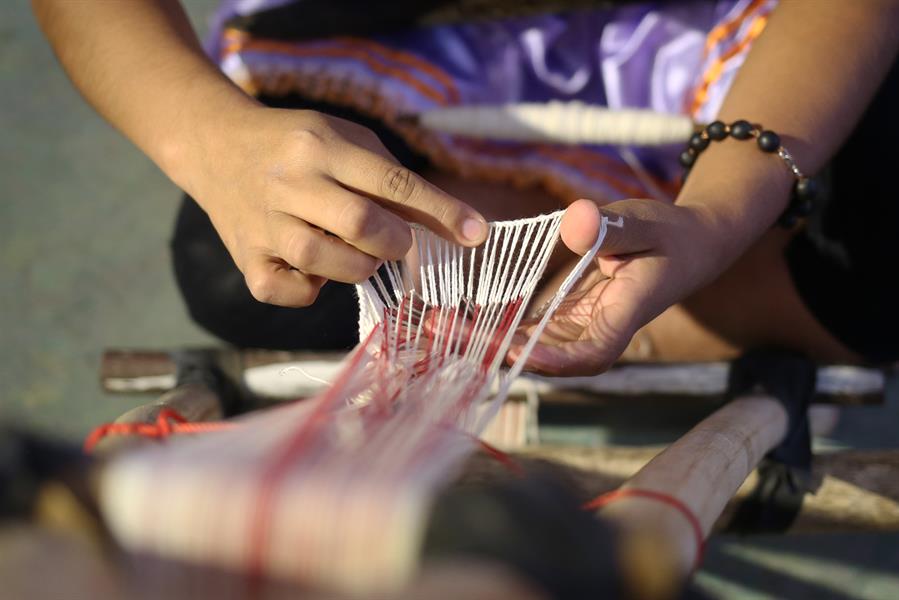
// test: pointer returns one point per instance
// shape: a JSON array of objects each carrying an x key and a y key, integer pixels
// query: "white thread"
[
  {"x": 355, "y": 468},
  {"x": 304, "y": 373},
  {"x": 566, "y": 122},
  {"x": 563, "y": 291}
]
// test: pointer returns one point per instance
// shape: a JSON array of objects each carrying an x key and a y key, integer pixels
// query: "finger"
[
  {"x": 315, "y": 253},
  {"x": 571, "y": 359},
  {"x": 355, "y": 219},
  {"x": 408, "y": 194},
  {"x": 272, "y": 281},
  {"x": 580, "y": 226},
  {"x": 629, "y": 227}
]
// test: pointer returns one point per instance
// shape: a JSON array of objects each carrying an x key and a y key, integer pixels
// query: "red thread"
[
  {"x": 508, "y": 317},
  {"x": 274, "y": 473},
  {"x": 503, "y": 458},
  {"x": 168, "y": 422},
  {"x": 605, "y": 499}
]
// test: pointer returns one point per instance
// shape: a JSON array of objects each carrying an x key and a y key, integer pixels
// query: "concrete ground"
[
  {"x": 84, "y": 229},
  {"x": 84, "y": 223}
]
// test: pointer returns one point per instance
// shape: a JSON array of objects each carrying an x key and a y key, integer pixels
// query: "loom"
[
  {"x": 365, "y": 457},
  {"x": 382, "y": 474},
  {"x": 361, "y": 488}
]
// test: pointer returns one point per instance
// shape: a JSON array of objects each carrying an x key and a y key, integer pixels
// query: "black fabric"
[
  {"x": 774, "y": 503},
  {"x": 784, "y": 474},
  {"x": 844, "y": 264},
  {"x": 28, "y": 461},
  {"x": 788, "y": 377},
  {"x": 217, "y": 296},
  {"x": 533, "y": 524},
  {"x": 311, "y": 19},
  {"x": 316, "y": 19}
]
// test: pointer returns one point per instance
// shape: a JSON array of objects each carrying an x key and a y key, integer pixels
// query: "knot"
[{"x": 167, "y": 422}]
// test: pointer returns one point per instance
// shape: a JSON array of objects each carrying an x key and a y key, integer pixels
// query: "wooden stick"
[
  {"x": 702, "y": 470},
  {"x": 262, "y": 372},
  {"x": 853, "y": 490}
]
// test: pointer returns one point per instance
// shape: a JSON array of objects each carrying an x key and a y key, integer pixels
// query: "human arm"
[
  {"x": 809, "y": 77},
  {"x": 272, "y": 181}
]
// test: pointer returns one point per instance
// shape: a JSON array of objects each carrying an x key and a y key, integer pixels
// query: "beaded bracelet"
[{"x": 805, "y": 189}]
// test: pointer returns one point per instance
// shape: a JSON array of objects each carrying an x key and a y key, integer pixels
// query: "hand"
[
  {"x": 660, "y": 254},
  {"x": 299, "y": 198}
]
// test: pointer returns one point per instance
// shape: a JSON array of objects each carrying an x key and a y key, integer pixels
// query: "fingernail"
[{"x": 474, "y": 229}]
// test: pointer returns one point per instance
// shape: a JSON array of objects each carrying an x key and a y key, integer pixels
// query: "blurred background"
[
  {"x": 86, "y": 220},
  {"x": 84, "y": 226}
]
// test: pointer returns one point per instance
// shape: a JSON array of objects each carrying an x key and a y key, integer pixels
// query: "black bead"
[
  {"x": 788, "y": 219},
  {"x": 803, "y": 207},
  {"x": 741, "y": 130},
  {"x": 769, "y": 141},
  {"x": 806, "y": 188},
  {"x": 687, "y": 158},
  {"x": 717, "y": 130},
  {"x": 698, "y": 142}
]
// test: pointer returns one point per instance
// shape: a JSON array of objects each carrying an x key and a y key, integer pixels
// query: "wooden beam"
[
  {"x": 261, "y": 371},
  {"x": 854, "y": 490}
]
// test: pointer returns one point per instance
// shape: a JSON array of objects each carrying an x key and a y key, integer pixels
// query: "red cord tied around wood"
[
  {"x": 609, "y": 497},
  {"x": 168, "y": 422}
]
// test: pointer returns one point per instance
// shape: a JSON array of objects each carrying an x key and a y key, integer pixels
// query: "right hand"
[
  {"x": 299, "y": 197},
  {"x": 658, "y": 255}
]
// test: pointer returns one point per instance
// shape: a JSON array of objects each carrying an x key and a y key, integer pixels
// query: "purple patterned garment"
[{"x": 647, "y": 55}]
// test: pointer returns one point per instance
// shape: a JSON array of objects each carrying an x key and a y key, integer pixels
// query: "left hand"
[{"x": 661, "y": 254}]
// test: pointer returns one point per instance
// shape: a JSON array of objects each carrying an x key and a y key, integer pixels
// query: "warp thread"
[{"x": 400, "y": 420}]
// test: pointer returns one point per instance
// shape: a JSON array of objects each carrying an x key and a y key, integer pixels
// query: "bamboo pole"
[
  {"x": 703, "y": 470},
  {"x": 853, "y": 490}
]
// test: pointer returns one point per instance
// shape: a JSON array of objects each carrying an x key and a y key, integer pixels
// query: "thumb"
[{"x": 629, "y": 227}]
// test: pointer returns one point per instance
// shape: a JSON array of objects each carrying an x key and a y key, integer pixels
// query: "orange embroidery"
[
  {"x": 235, "y": 43},
  {"x": 725, "y": 29},
  {"x": 700, "y": 95},
  {"x": 409, "y": 59}
]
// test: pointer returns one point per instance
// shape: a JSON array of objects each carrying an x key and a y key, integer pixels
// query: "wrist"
[
  {"x": 200, "y": 133},
  {"x": 737, "y": 193},
  {"x": 704, "y": 243}
]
